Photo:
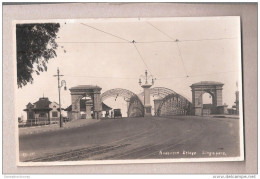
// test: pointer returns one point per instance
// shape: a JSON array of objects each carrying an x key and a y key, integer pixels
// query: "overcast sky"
[{"x": 208, "y": 50}]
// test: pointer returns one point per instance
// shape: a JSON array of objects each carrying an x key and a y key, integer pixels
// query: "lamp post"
[
  {"x": 146, "y": 86},
  {"x": 60, "y": 84}
]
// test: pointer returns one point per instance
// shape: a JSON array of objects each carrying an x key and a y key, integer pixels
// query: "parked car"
[{"x": 117, "y": 113}]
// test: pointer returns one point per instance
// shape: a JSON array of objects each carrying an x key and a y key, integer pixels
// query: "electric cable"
[{"x": 106, "y": 32}]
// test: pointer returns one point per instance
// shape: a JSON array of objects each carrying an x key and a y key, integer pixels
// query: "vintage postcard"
[{"x": 128, "y": 90}]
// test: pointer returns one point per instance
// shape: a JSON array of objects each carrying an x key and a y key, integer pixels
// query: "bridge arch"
[
  {"x": 116, "y": 93},
  {"x": 174, "y": 104},
  {"x": 134, "y": 104},
  {"x": 214, "y": 89},
  {"x": 136, "y": 107},
  {"x": 160, "y": 92},
  {"x": 163, "y": 95},
  {"x": 81, "y": 91}
]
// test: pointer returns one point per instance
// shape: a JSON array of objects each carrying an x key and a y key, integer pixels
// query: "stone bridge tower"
[
  {"x": 78, "y": 92},
  {"x": 214, "y": 89}
]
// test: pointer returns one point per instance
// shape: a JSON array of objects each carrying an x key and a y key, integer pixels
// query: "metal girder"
[
  {"x": 160, "y": 92},
  {"x": 116, "y": 93},
  {"x": 136, "y": 108},
  {"x": 174, "y": 104}
]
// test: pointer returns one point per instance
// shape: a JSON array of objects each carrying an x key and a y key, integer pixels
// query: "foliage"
[{"x": 35, "y": 44}]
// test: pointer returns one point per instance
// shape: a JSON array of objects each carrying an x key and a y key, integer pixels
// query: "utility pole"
[{"x": 59, "y": 86}]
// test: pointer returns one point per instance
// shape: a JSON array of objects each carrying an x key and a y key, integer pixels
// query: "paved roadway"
[{"x": 136, "y": 138}]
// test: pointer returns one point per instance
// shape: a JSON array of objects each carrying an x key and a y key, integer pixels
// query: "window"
[{"x": 54, "y": 114}]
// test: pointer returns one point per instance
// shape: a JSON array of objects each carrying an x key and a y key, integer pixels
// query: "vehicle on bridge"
[{"x": 117, "y": 113}]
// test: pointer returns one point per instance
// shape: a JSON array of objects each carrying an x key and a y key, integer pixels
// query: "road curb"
[{"x": 55, "y": 129}]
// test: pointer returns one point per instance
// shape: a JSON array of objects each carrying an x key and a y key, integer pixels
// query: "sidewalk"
[
  {"x": 55, "y": 127},
  {"x": 225, "y": 116}
]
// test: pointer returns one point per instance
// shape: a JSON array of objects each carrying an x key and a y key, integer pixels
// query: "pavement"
[
  {"x": 225, "y": 116},
  {"x": 55, "y": 127},
  {"x": 135, "y": 138}
]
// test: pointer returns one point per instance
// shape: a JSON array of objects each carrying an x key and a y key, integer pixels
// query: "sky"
[{"x": 99, "y": 52}]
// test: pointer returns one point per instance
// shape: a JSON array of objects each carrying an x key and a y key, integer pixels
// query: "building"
[
  {"x": 83, "y": 104},
  {"x": 42, "y": 111}
]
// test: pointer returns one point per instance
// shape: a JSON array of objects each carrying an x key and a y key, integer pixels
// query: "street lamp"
[
  {"x": 146, "y": 77},
  {"x": 146, "y": 87},
  {"x": 63, "y": 82}
]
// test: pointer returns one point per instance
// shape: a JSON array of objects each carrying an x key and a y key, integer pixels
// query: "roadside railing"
[
  {"x": 39, "y": 122},
  {"x": 36, "y": 123}
]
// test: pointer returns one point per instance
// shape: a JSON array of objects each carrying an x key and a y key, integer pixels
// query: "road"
[{"x": 136, "y": 138}]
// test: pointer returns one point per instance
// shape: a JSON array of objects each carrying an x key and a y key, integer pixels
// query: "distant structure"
[
  {"x": 237, "y": 102},
  {"x": 42, "y": 110},
  {"x": 215, "y": 90},
  {"x": 235, "y": 108},
  {"x": 84, "y": 103}
]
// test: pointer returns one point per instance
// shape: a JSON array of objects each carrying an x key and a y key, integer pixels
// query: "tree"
[{"x": 35, "y": 45}]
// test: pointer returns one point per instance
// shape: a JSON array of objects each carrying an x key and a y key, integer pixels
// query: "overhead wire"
[
  {"x": 192, "y": 76},
  {"x": 160, "y": 30},
  {"x": 92, "y": 42},
  {"x": 149, "y": 42},
  {"x": 176, "y": 40},
  {"x": 121, "y": 39},
  {"x": 142, "y": 58},
  {"x": 159, "y": 41},
  {"x": 196, "y": 40},
  {"x": 134, "y": 78},
  {"x": 214, "y": 73},
  {"x": 105, "y": 77},
  {"x": 106, "y": 32}
]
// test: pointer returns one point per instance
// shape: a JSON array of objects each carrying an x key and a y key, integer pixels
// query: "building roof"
[
  {"x": 85, "y": 87},
  {"x": 29, "y": 105},
  {"x": 207, "y": 83},
  {"x": 42, "y": 103},
  {"x": 69, "y": 108},
  {"x": 83, "y": 107}
]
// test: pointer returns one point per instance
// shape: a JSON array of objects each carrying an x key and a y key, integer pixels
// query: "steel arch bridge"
[
  {"x": 134, "y": 104},
  {"x": 169, "y": 102},
  {"x": 174, "y": 104},
  {"x": 160, "y": 92},
  {"x": 117, "y": 92}
]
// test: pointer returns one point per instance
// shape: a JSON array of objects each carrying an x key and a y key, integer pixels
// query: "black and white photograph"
[{"x": 128, "y": 90}]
